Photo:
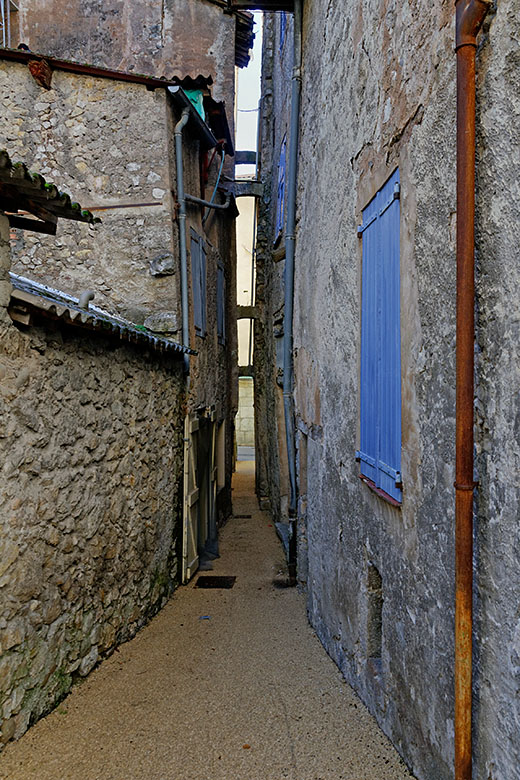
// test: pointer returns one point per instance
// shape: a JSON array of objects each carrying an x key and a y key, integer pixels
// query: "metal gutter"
[
  {"x": 290, "y": 247},
  {"x": 20, "y": 55},
  {"x": 195, "y": 122},
  {"x": 470, "y": 15}
]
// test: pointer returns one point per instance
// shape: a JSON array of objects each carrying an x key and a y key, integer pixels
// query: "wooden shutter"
[
  {"x": 389, "y": 454},
  {"x": 221, "y": 305},
  {"x": 380, "y": 397},
  {"x": 190, "y": 557},
  {"x": 195, "y": 281},
  {"x": 283, "y": 28},
  {"x": 202, "y": 276},
  {"x": 198, "y": 283},
  {"x": 280, "y": 204}
]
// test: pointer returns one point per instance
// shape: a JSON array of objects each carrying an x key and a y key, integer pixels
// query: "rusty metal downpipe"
[{"x": 470, "y": 15}]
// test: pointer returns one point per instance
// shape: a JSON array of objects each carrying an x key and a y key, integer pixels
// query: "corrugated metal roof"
[
  {"x": 244, "y": 38},
  {"x": 29, "y": 295},
  {"x": 21, "y": 190}
]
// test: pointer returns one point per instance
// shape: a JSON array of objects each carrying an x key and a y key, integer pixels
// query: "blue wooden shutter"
[
  {"x": 280, "y": 203},
  {"x": 369, "y": 401},
  {"x": 195, "y": 281},
  {"x": 380, "y": 423},
  {"x": 221, "y": 305},
  {"x": 202, "y": 269},
  {"x": 283, "y": 28},
  {"x": 389, "y": 455}
]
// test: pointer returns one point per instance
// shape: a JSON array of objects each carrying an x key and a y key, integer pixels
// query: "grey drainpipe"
[
  {"x": 290, "y": 246},
  {"x": 182, "y": 232},
  {"x": 209, "y": 203}
]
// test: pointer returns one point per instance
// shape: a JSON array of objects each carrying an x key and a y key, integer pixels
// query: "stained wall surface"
[
  {"x": 162, "y": 38},
  {"x": 93, "y": 471},
  {"x": 90, "y": 504},
  {"x": 379, "y": 90},
  {"x": 107, "y": 143},
  {"x": 271, "y": 464}
]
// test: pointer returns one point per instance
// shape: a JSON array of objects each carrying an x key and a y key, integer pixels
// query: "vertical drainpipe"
[
  {"x": 290, "y": 246},
  {"x": 182, "y": 232},
  {"x": 470, "y": 15}
]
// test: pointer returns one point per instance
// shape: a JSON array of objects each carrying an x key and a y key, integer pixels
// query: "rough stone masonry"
[{"x": 90, "y": 496}]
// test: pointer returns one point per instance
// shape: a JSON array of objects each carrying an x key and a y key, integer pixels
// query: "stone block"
[
  {"x": 163, "y": 265},
  {"x": 163, "y": 322}
]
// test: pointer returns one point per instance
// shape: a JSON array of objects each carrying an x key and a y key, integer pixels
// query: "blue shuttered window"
[
  {"x": 221, "y": 305},
  {"x": 198, "y": 282},
  {"x": 280, "y": 203},
  {"x": 380, "y": 402},
  {"x": 283, "y": 28}
]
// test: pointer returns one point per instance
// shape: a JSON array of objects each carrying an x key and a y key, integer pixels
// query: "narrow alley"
[{"x": 221, "y": 685}]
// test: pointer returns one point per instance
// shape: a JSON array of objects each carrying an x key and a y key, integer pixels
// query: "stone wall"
[
  {"x": 379, "y": 92},
  {"x": 90, "y": 501},
  {"x": 159, "y": 38},
  {"x": 271, "y": 467},
  {"x": 91, "y": 492},
  {"x": 497, "y": 710},
  {"x": 107, "y": 142},
  {"x": 110, "y": 143}
]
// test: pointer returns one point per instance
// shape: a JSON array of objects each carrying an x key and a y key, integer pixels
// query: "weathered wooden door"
[
  {"x": 212, "y": 542},
  {"x": 190, "y": 555}
]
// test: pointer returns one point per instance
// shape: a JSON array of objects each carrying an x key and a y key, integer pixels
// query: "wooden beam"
[
  {"x": 49, "y": 228},
  {"x": 261, "y": 5},
  {"x": 247, "y": 312},
  {"x": 245, "y": 158}
]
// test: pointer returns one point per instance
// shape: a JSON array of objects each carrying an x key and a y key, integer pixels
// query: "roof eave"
[{"x": 196, "y": 124}]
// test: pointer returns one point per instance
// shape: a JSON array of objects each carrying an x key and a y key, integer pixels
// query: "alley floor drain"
[{"x": 213, "y": 581}]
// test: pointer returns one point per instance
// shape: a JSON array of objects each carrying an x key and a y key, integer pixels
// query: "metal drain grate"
[{"x": 213, "y": 581}]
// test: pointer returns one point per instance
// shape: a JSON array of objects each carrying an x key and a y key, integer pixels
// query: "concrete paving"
[{"x": 221, "y": 685}]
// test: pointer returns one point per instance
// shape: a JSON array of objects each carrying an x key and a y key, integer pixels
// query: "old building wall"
[
  {"x": 272, "y": 478},
  {"x": 497, "y": 711},
  {"x": 159, "y": 38},
  {"x": 379, "y": 93},
  {"x": 99, "y": 455},
  {"x": 111, "y": 143},
  {"x": 213, "y": 379},
  {"x": 107, "y": 142},
  {"x": 375, "y": 570},
  {"x": 90, "y": 497}
]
